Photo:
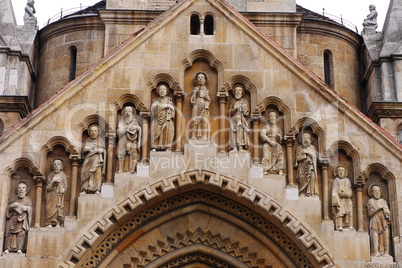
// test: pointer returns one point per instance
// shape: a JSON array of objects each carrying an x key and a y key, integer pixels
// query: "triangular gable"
[{"x": 120, "y": 52}]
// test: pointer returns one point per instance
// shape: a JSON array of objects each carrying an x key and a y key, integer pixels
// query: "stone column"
[
  {"x": 109, "y": 166},
  {"x": 38, "y": 202},
  {"x": 223, "y": 97},
  {"x": 289, "y": 160},
  {"x": 359, "y": 194},
  {"x": 144, "y": 150},
  {"x": 74, "y": 178},
  {"x": 325, "y": 197},
  {"x": 201, "y": 26},
  {"x": 179, "y": 104},
  {"x": 256, "y": 148}
]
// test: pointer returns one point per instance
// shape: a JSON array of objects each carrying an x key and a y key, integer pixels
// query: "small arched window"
[
  {"x": 209, "y": 25},
  {"x": 73, "y": 62},
  {"x": 195, "y": 24},
  {"x": 329, "y": 68}
]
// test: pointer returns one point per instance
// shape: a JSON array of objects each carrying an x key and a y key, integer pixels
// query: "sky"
[{"x": 352, "y": 10}]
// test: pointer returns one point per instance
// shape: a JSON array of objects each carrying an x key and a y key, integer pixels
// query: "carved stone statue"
[
  {"x": 200, "y": 100},
  {"x": 162, "y": 126},
  {"x": 18, "y": 220},
  {"x": 379, "y": 213},
  {"x": 56, "y": 188},
  {"x": 370, "y": 23},
  {"x": 306, "y": 163},
  {"x": 129, "y": 133},
  {"x": 239, "y": 111},
  {"x": 273, "y": 158},
  {"x": 342, "y": 205},
  {"x": 30, "y": 11},
  {"x": 94, "y": 155}
]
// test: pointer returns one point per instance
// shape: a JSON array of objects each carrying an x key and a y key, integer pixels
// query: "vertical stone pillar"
[
  {"x": 110, "y": 144},
  {"x": 223, "y": 98},
  {"x": 359, "y": 193},
  {"x": 256, "y": 148},
  {"x": 289, "y": 160},
  {"x": 179, "y": 106},
  {"x": 325, "y": 197},
  {"x": 144, "y": 150},
  {"x": 38, "y": 202},
  {"x": 201, "y": 26},
  {"x": 74, "y": 178}
]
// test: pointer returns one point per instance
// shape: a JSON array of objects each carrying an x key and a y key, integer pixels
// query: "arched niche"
[
  {"x": 377, "y": 173},
  {"x": 306, "y": 123},
  {"x": 95, "y": 119},
  {"x": 23, "y": 169},
  {"x": 216, "y": 212},
  {"x": 202, "y": 55},
  {"x": 163, "y": 78},
  {"x": 248, "y": 86},
  {"x": 57, "y": 147},
  {"x": 342, "y": 153},
  {"x": 281, "y": 108}
]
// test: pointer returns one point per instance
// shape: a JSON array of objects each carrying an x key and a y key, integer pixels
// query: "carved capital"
[
  {"x": 179, "y": 95},
  {"x": 74, "y": 159},
  {"x": 146, "y": 116},
  {"x": 222, "y": 96},
  {"x": 39, "y": 180}
]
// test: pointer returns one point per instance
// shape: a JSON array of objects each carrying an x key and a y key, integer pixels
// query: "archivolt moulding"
[
  {"x": 350, "y": 151},
  {"x": 51, "y": 143},
  {"x": 250, "y": 87},
  {"x": 258, "y": 202},
  {"x": 10, "y": 170}
]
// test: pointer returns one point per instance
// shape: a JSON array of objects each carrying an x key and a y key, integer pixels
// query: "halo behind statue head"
[
  {"x": 128, "y": 107},
  {"x": 336, "y": 170},
  {"x": 243, "y": 90},
  {"x": 24, "y": 182},
  {"x": 196, "y": 77},
  {"x": 370, "y": 189},
  {"x": 95, "y": 125},
  {"x": 305, "y": 132}
]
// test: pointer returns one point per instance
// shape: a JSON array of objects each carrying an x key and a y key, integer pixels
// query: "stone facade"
[{"x": 194, "y": 202}]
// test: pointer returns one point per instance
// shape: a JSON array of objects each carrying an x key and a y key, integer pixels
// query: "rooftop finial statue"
[
  {"x": 30, "y": 11},
  {"x": 370, "y": 23}
]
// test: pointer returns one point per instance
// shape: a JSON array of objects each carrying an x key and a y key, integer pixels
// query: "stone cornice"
[
  {"x": 22, "y": 57},
  {"x": 269, "y": 19},
  {"x": 118, "y": 16},
  {"x": 18, "y": 104},
  {"x": 380, "y": 110}
]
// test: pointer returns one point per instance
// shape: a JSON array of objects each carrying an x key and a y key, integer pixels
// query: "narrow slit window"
[
  {"x": 209, "y": 25},
  {"x": 73, "y": 62},
  {"x": 1, "y": 127},
  {"x": 195, "y": 24},
  {"x": 329, "y": 68}
]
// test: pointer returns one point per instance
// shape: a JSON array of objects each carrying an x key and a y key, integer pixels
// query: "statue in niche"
[
  {"x": 129, "y": 133},
  {"x": 342, "y": 205},
  {"x": 273, "y": 158},
  {"x": 30, "y": 11},
  {"x": 371, "y": 20},
  {"x": 239, "y": 111},
  {"x": 56, "y": 188},
  {"x": 18, "y": 220},
  {"x": 306, "y": 163},
  {"x": 94, "y": 155},
  {"x": 162, "y": 126},
  {"x": 379, "y": 214},
  {"x": 200, "y": 100}
]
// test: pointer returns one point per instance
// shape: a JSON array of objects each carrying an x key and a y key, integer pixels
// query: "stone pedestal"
[
  {"x": 292, "y": 192},
  {"x": 107, "y": 190},
  {"x": 125, "y": 183},
  {"x": 309, "y": 208},
  {"x": 200, "y": 154},
  {"x": 382, "y": 262},
  {"x": 256, "y": 172},
  {"x": 272, "y": 184},
  {"x": 166, "y": 163},
  {"x": 90, "y": 206},
  {"x": 236, "y": 164},
  {"x": 142, "y": 170}
]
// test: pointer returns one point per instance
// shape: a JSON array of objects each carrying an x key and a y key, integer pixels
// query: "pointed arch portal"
[{"x": 198, "y": 219}]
